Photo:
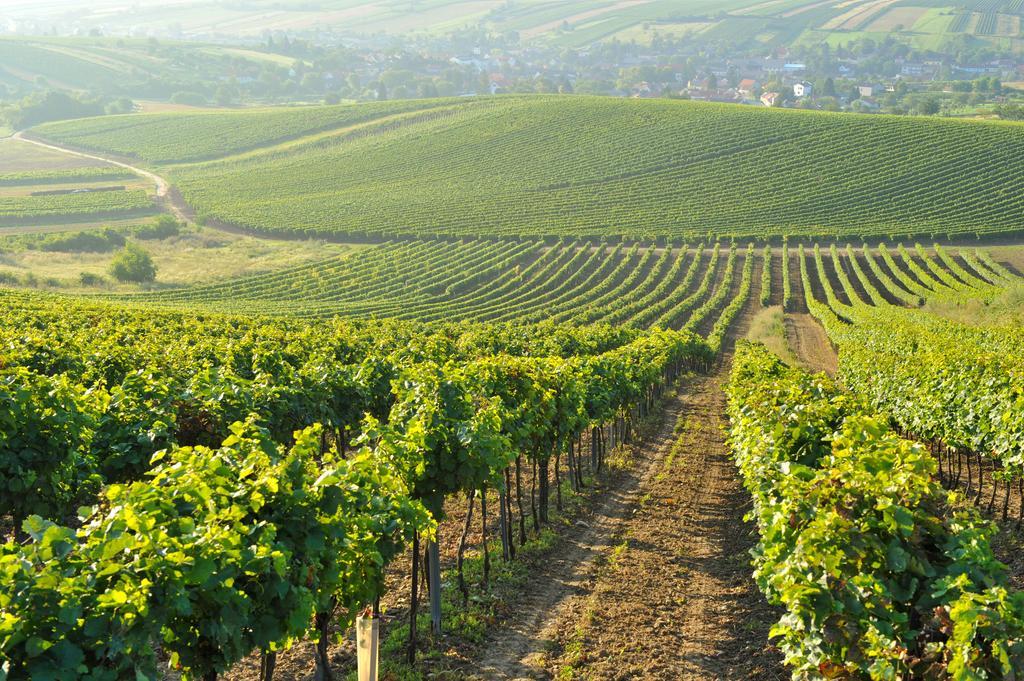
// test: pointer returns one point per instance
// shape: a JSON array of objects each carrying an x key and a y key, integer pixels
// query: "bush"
[
  {"x": 188, "y": 98},
  {"x": 164, "y": 227},
  {"x": 83, "y": 242},
  {"x": 133, "y": 264},
  {"x": 90, "y": 279}
]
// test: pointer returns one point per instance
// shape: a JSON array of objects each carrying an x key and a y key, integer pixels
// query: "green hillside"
[
  {"x": 579, "y": 166},
  {"x": 159, "y": 138}
]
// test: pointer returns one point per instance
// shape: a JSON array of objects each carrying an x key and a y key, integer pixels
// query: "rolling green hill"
[
  {"x": 579, "y": 166},
  {"x": 160, "y": 139}
]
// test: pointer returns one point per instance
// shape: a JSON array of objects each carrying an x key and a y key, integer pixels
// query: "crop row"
[
  {"x": 243, "y": 482},
  {"x": 158, "y": 139},
  {"x": 946, "y": 382},
  {"x": 22, "y": 209},
  {"x": 877, "y": 577},
  {"x": 35, "y": 177},
  {"x": 483, "y": 280}
]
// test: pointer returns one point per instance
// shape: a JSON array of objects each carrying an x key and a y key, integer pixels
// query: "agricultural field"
[
  {"x": 41, "y": 187},
  {"x": 222, "y": 133},
  {"x": 124, "y": 66},
  {"x": 578, "y": 166},
  {"x": 565, "y": 388},
  {"x": 572, "y": 23},
  {"x": 709, "y": 294},
  {"x": 485, "y": 281}
]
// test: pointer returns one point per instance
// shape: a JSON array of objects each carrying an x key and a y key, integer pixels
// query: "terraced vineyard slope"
[{"x": 577, "y": 166}]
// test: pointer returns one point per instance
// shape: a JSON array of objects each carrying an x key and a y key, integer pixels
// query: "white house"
[
  {"x": 802, "y": 89},
  {"x": 870, "y": 90}
]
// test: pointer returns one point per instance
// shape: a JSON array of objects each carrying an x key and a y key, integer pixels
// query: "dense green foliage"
[
  {"x": 879, "y": 578},
  {"x": 940, "y": 380},
  {"x": 287, "y": 463},
  {"x": 583, "y": 166},
  {"x": 133, "y": 264},
  {"x": 218, "y": 552},
  {"x": 86, "y": 241}
]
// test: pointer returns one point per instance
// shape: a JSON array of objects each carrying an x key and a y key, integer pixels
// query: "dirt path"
[
  {"x": 675, "y": 599},
  {"x": 658, "y": 584},
  {"x": 164, "y": 194},
  {"x": 516, "y": 650},
  {"x": 810, "y": 343}
]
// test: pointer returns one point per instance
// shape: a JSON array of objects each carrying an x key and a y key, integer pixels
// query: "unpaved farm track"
[
  {"x": 163, "y": 188},
  {"x": 516, "y": 649},
  {"x": 658, "y": 585},
  {"x": 810, "y": 343},
  {"x": 678, "y": 602}
]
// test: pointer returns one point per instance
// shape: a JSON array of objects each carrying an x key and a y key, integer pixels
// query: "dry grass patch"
[{"x": 768, "y": 327}]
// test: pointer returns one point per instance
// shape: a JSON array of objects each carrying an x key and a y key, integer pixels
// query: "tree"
[
  {"x": 1011, "y": 112},
  {"x": 121, "y": 105},
  {"x": 133, "y": 264},
  {"x": 929, "y": 107},
  {"x": 426, "y": 89},
  {"x": 188, "y": 98}
]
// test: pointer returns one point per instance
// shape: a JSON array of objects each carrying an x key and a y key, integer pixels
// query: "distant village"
[{"x": 841, "y": 81}]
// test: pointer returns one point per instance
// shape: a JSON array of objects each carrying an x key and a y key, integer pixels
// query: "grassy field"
[
  {"x": 17, "y": 156},
  {"x": 193, "y": 258},
  {"x": 581, "y": 166}
]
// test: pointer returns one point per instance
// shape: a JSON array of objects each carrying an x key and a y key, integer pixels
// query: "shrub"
[
  {"x": 133, "y": 264},
  {"x": 188, "y": 98},
  {"x": 83, "y": 242},
  {"x": 91, "y": 279},
  {"x": 164, "y": 227}
]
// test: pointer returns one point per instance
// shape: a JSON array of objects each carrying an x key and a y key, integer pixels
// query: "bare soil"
[
  {"x": 810, "y": 343},
  {"x": 776, "y": 279},
  {"x": 659, "y": 584},
  {"x": 674, "y": 599},
  {"x": 517, "y": 649}
]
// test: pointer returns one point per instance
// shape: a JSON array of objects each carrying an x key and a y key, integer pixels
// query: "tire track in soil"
[
  {"x": 659, "y": 584},
  {"x": 810, "y": 343},
  {"x": 516, "y": 650},
  {"x": 679, "y": 602}
]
